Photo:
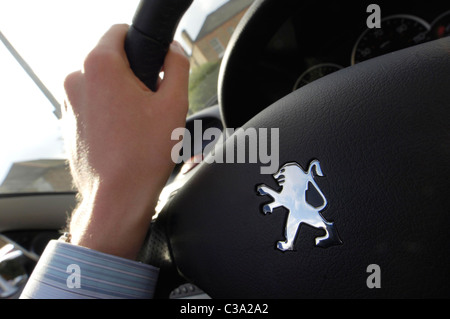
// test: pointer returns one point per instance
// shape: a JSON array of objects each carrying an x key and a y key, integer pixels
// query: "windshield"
[{"x": 44, "y": 40}]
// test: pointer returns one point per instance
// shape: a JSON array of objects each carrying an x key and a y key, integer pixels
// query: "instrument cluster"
[{"x": 397, "y": 32}]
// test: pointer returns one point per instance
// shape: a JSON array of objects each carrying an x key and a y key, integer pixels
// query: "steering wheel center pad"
[{"x": 381, "y": 132}]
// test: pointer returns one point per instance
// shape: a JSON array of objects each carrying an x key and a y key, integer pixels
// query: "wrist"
[{"x": 111, "y": 221}]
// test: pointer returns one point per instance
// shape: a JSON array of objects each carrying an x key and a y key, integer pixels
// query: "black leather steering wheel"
[{"x": 375, "y": 140}]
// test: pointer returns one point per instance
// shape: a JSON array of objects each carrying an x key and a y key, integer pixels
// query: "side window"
[{"x": 217, "y": 46}]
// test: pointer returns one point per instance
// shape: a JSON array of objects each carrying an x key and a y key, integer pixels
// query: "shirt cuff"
[{"x": 67, "y": 271}]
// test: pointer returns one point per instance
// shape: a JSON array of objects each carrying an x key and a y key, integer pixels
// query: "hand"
[{"x": 118, "y": 136}]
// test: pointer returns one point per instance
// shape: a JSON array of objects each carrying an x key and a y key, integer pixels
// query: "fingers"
[
  {"x": 109, "y": 52},
  {"x": 108, "y": 63},
  {"x": 114, "y": 40}
]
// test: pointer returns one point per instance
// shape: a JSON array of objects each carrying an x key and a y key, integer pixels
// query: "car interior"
[{"x": 371, "y": 104}]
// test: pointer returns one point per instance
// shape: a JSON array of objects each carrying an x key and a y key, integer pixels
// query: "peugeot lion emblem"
[{"x": 294, "y": 183}]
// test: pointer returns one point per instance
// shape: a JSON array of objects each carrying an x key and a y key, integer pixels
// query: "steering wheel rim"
[
  {"x": 250, "y": 36},
  {"x": 380, "y": 131}
]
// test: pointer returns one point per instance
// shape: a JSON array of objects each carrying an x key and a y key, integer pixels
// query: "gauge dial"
[
  {"x": 315, "y": 73},
  {"x": 440, "y": 28},
  {"x": 396, "y": 33}
]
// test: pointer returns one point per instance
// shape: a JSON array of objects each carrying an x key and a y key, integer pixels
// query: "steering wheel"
[{"x": 361, "y": 185}]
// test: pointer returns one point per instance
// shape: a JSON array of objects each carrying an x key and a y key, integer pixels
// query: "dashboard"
[
  {"x": 396, "y": 32},
  {"x": 324, "y": 45},
  {"x": 319, "y": 38}
]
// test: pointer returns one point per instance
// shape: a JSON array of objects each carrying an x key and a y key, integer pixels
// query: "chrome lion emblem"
[{"x": 294, "y": 183}]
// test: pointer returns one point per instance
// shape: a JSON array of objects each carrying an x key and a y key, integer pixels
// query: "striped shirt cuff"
[{"x": 67, "y": 271}]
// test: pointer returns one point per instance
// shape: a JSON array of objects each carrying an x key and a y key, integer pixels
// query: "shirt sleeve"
[{"x": 67, "y": 271}]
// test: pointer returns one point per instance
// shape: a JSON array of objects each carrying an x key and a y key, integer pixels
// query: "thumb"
[{"x": 176, "y": 72}]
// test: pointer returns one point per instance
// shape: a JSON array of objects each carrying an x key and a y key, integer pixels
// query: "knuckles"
[
  {"x": 101, "y": 61},
  {"x": 72, "y": 84}
]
